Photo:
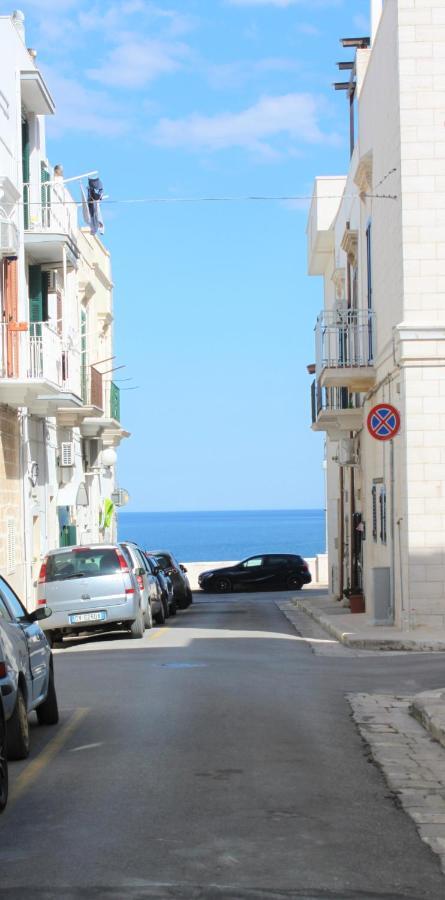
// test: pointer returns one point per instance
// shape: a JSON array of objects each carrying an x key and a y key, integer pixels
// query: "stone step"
[{"x": 428, "y": 708}]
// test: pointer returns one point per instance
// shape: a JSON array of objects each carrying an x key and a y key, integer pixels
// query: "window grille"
[{"x": 11, "y": 549}]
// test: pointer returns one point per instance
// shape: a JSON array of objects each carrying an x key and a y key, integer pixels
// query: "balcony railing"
[
  {"x": 334, "y": 408},
  {"x": 39, "y": 353},
  {"x": 49, "y": 208},
  {"x": 345, "y": 342}
]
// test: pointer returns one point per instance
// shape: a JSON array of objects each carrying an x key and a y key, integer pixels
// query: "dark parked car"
[
  {"x": 271, "y": 571},
  {"x": 29, "y": 681},
  {"x": 177, "y": 572},
  {"x": 3, "y": 753},
  {"x": 165, "y": 584}
]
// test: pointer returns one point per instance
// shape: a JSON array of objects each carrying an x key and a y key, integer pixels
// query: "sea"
[{"x": 227, "y": 535}]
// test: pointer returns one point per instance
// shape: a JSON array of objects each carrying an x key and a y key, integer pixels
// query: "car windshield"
[{"x": 82, "y": 563}]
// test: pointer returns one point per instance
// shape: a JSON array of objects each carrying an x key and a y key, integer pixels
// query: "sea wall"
[{"x": 318, "y": 567}]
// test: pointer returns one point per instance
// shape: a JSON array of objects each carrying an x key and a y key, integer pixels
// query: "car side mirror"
[
  {"x": 183, "y": 568},
  {"x": 42, "y": 612},
  {"x": 139, "y": 571},
  {"x": 156, "y": 570}
]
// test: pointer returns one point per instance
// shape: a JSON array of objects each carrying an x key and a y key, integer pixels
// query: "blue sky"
[{"x": 214, "y": 310}]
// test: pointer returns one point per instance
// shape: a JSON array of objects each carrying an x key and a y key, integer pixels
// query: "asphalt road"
[{"x": 215, "y": 758}]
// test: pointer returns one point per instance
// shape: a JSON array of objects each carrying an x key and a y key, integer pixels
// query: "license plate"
[{"x": 78, "y": 618}]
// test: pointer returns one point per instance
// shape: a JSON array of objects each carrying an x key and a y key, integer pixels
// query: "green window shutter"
[
  {"x": 35, "y": 294},
  {"x": 25, "y": 171},
  {"x": 45, "y": 290}
]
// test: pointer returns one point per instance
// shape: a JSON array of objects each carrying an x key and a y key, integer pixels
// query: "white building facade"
[
  {"x": 377, "y": 237},
  {"x": 50, "y": 491}
]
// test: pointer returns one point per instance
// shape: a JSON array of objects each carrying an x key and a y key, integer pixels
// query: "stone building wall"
[{"x": 11, "y": 542}]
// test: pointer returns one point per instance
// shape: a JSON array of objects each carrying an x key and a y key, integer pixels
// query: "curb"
[
  {"x": 428, "y": 708},
  {"x": 367, "y": 643}
]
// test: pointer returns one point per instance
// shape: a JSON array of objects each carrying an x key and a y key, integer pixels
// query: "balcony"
[
  {"x": 334, "y": 410},
  {"x": 320, "y": 234},
  {"x": 50, "y": 220},
  {"x": 345, "y": 342},
  {"x": 38, "y": 369},
  {"x": 107, "y": 427}
]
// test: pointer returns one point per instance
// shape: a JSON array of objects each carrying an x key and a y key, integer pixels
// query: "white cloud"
[
  {"x": 260, "y": 128},
  {"x": 137, "y": 61}
]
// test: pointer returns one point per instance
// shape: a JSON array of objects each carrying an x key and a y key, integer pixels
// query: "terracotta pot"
[{"x": 357, "y": 603}]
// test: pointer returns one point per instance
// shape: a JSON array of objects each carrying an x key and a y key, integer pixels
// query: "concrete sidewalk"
[{"x": 358, "y": 632}]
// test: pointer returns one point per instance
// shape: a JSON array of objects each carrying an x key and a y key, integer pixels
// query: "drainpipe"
[
  {"x": 341, "y": 579},
  {"x": 393, "y": 548}
]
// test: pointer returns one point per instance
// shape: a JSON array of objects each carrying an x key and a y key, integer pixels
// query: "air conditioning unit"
[
  {"x": 54, "y": 281},
  {"x": 66, "y": 454},
  {"x": 9, "y": 238},
  {"x": 347, "y": 452}
]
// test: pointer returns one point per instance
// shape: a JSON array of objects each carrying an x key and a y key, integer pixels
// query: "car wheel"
[
  {"x": 48, "y": 711},
  {"x": 160, "y": 616},
  {"x": 18, "y": 729},
  {"x": 148, "y": 618},
  {"x": 3, "y": 766},
  {"x": 137, "y": 627},
  {"x": 294, "y": 583},
  {"x": 223, "y": 585},
  {"x": 189, "y": 597},
  {"x": 173, "y": 608}
]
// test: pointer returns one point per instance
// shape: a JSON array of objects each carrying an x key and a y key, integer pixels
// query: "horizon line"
[{"x": 256, "y": 509}]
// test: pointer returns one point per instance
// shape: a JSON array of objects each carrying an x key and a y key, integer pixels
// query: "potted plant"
[{"x": 356, "y": 599}]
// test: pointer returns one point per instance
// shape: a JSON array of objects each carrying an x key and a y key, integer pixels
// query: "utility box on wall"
[{"x": 381, "y": 595}]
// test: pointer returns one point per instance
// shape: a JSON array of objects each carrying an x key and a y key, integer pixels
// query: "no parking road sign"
[{"x": 384, "y": 422}]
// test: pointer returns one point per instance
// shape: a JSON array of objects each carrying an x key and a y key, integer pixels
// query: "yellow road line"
[
  {"x": 158, "y": 633},
  {"x": 29, "y": 775}
]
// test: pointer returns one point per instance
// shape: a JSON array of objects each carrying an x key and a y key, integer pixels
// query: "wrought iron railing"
[
  {"x": 345, "y": 338},
  {"x": 325, "y": 399},
  {"x": 49, "y": 208}
]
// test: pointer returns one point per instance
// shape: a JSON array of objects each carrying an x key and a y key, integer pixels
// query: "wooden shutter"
[{"x": 11, "y": 313}]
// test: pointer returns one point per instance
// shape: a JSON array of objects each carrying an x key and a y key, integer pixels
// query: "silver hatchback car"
[{"x": 89, "y": 588}]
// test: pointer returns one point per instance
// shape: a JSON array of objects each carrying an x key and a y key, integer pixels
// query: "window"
[
  {"x": 82, "y": 564},
  {"x": 382, "y": 501},
  {"x": 278, "y": 560},
  {"x": 254, "y": 561},
  {"x": 12, "y": 600}
]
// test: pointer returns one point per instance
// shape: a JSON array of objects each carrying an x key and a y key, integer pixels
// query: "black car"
[
  {"x": 271, "y": 571},
  {"x": 166, "y": 585},
  {"x": 177, "y": 572}
]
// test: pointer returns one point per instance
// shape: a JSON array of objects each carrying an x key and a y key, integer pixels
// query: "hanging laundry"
[
  {"x": 85, "y": 208},
  {"x": 95, "y": 194}
]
